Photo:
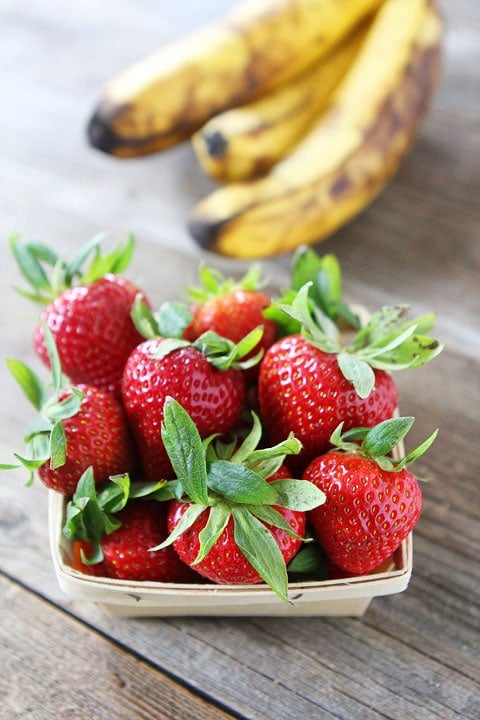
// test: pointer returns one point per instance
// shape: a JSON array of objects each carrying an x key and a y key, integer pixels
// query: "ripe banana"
[
  {"x": 344, "y": 162},
  {"x": 246, "y": 141},
  {"x": 162, "y": 99}
]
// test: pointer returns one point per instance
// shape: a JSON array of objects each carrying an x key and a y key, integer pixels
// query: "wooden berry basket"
[{"x": 347, "y": 597}]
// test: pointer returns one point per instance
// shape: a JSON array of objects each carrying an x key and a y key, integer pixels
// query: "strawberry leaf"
[
  {"x": 222, "y": 353},
  {"x": 30, "y": 464},
  {"x": 173, "y": 318},
  {"x": 298, "y": 494},
  {"x": 326, "y": 290},
  {"x": 56, "y": 368},
  {"x": 421, "y": 449},
  {"x": 250, "y": 442},
  {"x": 184, "y": 448},
  {"x": 27, "y": 256},
  {"x": 58, "y": 445},
  {"x": 74, "y": 269},
  {"x": 214, "y": 283},
  {"x": 31, "y": 385},
  {"x": 270, "y": 515},
  {"x": 381, "y": 439},
  {"x": 217, "y": 522},
  {"x": 309, "y": 562},
  {"x": 161, "y": 491},
  {"x": 84, "y": 516},
  {"x": 144, "y": 320},
  {"x": 66, "y": 408},
  {"x": 358, "y": 372},
  {"x": 114, "y": 261},
  {"x": 239, "y": 484},
  {"x": 258, "y": 545},
  {"x": 115, "y": 494},
  {"x": 388, "y": 342},
  {"x": 378, "y": 442},
  {"x": 191, "y": 514}
]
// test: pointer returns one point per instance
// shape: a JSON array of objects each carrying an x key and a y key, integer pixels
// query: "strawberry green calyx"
[
  {"x": 378, "y": 442},
  {"x": 170, "y": 322},
  {"x": 230, "y": 481},
  {"x": 387, "y": 342},
  {"x": 48, "y": 274},
  {"x": 92, "y": 514},
  {"x": 45, "y": 437},
  {"x": 324, "y": 275},
  {"x": 214, "y": 283}
]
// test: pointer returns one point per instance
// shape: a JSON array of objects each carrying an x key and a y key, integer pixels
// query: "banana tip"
[
  {"x": 100, "y": 135},
  {"x": 204, "y": 234}
]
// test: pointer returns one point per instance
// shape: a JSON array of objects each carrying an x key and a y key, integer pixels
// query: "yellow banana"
[
  {"x": 344, "y": 162},
  {"x": 245, "y": 141},
  {"x": 259, "y": 45}
]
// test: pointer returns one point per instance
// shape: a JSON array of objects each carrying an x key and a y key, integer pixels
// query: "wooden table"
[{"x": 414, "y": 655}]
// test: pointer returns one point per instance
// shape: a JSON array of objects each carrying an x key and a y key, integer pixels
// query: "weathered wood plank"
[{"x": 55, "y": 666}]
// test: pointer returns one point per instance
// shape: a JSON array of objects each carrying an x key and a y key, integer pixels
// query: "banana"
[
  {"x": 246, "y": 141},
  {"x": 162, "y": 99},
  {"x": 344, "y": 162}
]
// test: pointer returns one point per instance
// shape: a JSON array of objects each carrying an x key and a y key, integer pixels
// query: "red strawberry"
[
  {"x": 93, "y": 331},
  {"x": 127, "y": 553},
  {"x": 372, "y": 502},
  {"x": 309, "y": 383},
  {"x": 231, "y": 309},
  {"x": 240, "y": 518},
  {"x": 78, "y": 426},
  {"x": 302, "y": 390},
  {"x": 225, "y": 562},
  {"x": 158, "y": 369},
  {"x": 88, "y": 314},
  {"x": 97, "y": 435}
]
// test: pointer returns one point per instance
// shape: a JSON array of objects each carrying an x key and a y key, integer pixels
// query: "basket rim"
[{"x": 369, "y": 585}]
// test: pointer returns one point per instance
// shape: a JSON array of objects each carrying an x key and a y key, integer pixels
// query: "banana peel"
[
  {"x": 164, "y": 98},
  {"x": 246, "y": 141},
  {"x": 348, "y": 157}
]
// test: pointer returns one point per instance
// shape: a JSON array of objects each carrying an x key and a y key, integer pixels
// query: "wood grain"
[
  {"x": 414, "y": 655},
  {"x": 54, "y": 666}
]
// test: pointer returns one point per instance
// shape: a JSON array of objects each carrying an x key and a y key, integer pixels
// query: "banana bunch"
[{"x": 301, "y": 109}]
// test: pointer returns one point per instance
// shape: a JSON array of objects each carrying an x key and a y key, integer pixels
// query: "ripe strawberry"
[
  {"x": 239, "y": 519},
  {"x": 127, "y": 553},
  {"x": 88, "y": 313},
  {"x": 97, "y": 435},
  {"x": 310, "y": 382},
  {"x": 112, "y": 533},
  {"x": 372, "y": 502},
  {"x": 225, "y": 562},
  {"x": 77, "y": 427},
  {"x": 302, "y": 390},
  {"x": 204, "y": 376},
  {"x": 231, "y": 309}
]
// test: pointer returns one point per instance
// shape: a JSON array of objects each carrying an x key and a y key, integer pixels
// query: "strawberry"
[
  {"x": 87, "y": 312},
  {"x": 205, "y": 376},
  {"x": 372, "y": 502},
  {"x": 236, "y": 517},
  {"x": 311, "y": 381},
  {"x": 225, "y": 563},
  {"x": 77, "y": 426},
  {"x": 119, "y": 546},
  {"x": 231, "y": 309}
]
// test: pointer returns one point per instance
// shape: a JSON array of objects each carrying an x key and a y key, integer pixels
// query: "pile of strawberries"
[{"x": 226, "y": 437}]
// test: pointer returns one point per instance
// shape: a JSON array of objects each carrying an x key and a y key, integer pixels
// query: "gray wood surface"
[{"x": 414, "y": 655}]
